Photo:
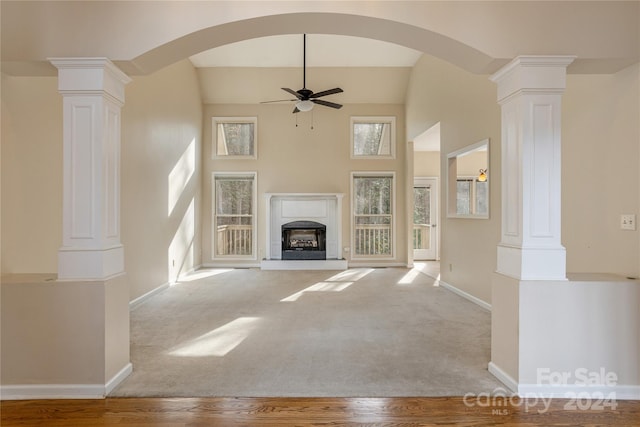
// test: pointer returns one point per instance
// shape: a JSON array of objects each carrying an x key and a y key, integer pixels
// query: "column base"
[
  {"x": 532, "y": 263},
  {"x": 90, "y": 264}
]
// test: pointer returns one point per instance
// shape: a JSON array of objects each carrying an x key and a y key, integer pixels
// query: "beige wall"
[
  {"x": 161, "y": 178},
  {"x": 426, "y": 163},
  {"x": 159, "y": 216},
  {"x": 31, "y": 348},
  {"x": 161, "y": 121},
  {"x": 63, "y": 334},
  {"x": 303, "y": 160},
  {"x": 470, "y": 164},
  {"x": 31, "y": 174},
  {"x": 465, "y": 105},
  {"x": 600, "y": 178},
  {"x": 600, "y": 172}
]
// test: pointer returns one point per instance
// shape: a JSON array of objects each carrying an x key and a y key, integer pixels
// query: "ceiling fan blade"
[
  {"x": 292, "y": 92},
  {"x": 326, "y": 103},
  {"x": 326, "y": 92},
  {"x": 278, "y": 100}
]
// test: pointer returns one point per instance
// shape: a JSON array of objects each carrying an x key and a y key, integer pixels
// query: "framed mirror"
[{"x": 468, "y": 181}]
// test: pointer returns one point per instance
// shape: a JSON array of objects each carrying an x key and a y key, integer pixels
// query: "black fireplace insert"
[{"x": 304, "y": 240}]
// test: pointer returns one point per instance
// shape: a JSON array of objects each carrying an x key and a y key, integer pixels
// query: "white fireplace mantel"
[{"x": 282, "y": 208}]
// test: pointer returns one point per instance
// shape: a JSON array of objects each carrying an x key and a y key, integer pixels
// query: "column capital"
[
  {"x": 90, "y": 76},
  {"x": 534, "y": 73}
]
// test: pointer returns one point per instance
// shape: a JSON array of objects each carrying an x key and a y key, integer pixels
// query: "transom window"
[
  {"x": 373, "y": 137},
  {"x": 235, "y": 137},
  {"x": 373, "y": 222},
  {"x": 234, "y": 215}
]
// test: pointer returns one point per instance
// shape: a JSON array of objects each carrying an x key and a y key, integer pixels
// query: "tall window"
[
  {"x": 373, "y": 137},
  {"x": 421, "y": 217},
  {"x": 234, "y": 136},
  {"x": 472, "y": 197},
  {"x": 234, "y": 215},
  {"x": 373, "y": 207}
]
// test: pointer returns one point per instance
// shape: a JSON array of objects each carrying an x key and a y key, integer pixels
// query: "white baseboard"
[
  {"x": 118, "y": 378},
  {"x": 142, "y": 298},
  {"x": 466, "y": 295},
  {"x": 597, "y": 393},
  {"x": 504, "y": 378},
  {"x": 63, "y": 391},
  {"x": 52, "y": 391}
]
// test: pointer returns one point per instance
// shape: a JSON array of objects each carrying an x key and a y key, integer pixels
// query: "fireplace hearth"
[{"x": 304, "y": 240}]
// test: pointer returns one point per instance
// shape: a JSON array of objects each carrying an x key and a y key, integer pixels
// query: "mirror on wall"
[{"x": 468, "y": 181}]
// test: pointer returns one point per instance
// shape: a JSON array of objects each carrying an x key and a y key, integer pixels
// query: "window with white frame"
[
  {"x": 235, "y": 137},
  {"x": 373, "y": 137},
  {"x": 234, "y": 200},
  {"x": 373, "y": 209}
]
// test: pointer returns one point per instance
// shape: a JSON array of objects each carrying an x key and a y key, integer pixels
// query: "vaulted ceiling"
[{"x": 255, "y": 70}]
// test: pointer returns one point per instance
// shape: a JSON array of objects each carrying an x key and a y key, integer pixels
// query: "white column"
[
  {"x": 93, "y": 94},
  {"x": 529, "y": 91}
]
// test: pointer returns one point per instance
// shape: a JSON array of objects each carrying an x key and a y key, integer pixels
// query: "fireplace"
[{"x": 304, "y": 240}]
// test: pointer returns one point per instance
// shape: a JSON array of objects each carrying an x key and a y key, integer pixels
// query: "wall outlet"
[
  {"x": 347, "y": 249},
  {"x": 628, "y": 221}
]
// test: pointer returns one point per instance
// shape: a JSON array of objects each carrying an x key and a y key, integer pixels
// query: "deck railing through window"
[
  {"x": 234, "y": 240},
  {"x": 421, "y": 236},
  {"x": 373, "y": 239}
]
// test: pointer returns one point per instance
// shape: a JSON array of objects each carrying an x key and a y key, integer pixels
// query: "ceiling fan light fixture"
[{"x": 305, "y": 105}]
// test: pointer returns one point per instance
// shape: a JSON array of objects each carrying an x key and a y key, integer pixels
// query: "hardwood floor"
[{"x": 255, "y": 412}]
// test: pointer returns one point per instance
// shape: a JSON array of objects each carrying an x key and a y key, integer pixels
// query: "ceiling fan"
[{"x": 305, "y": 97}]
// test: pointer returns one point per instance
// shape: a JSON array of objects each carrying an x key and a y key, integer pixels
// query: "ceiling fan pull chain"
[{"x": 311, "y": 119}]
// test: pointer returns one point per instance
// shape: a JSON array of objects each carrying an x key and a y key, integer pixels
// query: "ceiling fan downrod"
[{"x": 304, "y": 61}]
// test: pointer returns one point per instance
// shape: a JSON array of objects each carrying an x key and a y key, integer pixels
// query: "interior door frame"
[{"x": 434, "y": 183}]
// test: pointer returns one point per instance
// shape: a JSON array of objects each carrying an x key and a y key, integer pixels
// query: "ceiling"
[
  {"x": 254, "y": 70},
  {"x": 323, "y": 50}
]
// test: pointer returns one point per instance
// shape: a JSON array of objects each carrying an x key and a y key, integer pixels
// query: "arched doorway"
[{"x": 143, "y": 61}]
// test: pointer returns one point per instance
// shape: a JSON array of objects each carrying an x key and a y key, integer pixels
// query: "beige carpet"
[{"x": 362, "y": 332}]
